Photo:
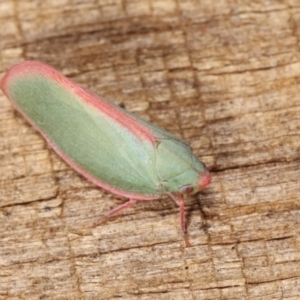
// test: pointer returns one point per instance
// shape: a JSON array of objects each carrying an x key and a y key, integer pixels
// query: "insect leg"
[
  {"x": 180, "y": 202},
  {"x": 114, "y": 211}
]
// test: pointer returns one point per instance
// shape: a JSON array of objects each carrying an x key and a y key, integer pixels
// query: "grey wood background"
[{"x": 224, "y": 76}]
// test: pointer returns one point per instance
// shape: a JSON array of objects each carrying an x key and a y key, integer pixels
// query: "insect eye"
[{"x": 187, "y": 189}]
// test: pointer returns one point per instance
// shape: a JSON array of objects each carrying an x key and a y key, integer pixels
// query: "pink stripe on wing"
[{"x": 104, "y": 107}]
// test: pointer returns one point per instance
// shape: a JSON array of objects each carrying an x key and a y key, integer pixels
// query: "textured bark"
[{"x": 224, "y": 76}]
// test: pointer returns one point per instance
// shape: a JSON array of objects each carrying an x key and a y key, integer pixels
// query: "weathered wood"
[{"x": 223, "y": 75}]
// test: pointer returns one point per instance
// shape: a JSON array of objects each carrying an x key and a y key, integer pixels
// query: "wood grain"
[{"x": 224, "y": 76}]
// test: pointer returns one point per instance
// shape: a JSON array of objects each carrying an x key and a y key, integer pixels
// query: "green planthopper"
[{"x": 111, "y": 147}]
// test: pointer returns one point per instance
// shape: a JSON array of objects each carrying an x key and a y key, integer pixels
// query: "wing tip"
[{"x": 18, "y": 69}]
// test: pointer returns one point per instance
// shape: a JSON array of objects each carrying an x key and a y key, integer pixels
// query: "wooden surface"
[{"x": 223, "y": 75}]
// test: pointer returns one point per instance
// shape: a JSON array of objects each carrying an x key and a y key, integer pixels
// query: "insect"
[{"x": 111, "y": 147}]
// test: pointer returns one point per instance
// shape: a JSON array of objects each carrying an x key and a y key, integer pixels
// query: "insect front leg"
[{"x": 180, "y": 202}]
